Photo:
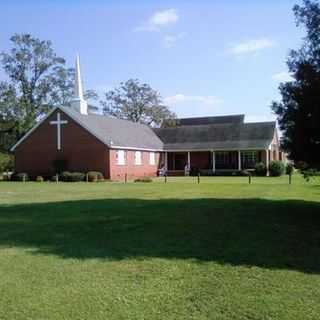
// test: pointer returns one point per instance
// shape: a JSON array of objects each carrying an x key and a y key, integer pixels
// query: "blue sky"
[{"x": 204, "y": 57}]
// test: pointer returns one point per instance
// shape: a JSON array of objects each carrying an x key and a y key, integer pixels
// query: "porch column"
[
  {"x": 189, "y": 164},
  {"x": 267, "y": 161},
  {"x": 166, "y": 161},
  {"x": 213, "y": 161},
  {"x": 239, "y": 160}
]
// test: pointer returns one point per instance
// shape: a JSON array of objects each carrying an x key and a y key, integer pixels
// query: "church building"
[{"x": 72, "y": 139}]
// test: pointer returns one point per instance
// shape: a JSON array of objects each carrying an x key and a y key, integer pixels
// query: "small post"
[
  {"x": 125, "y": 178},
  {"x": 165, "y": 178},
  {"x": 290, "y": 178},
  {"x": 57, "y": 178},
  {"x": 24, "y": 178},
  {"x": 198, "y": 177},
  {"x": 87, "y": 177}
]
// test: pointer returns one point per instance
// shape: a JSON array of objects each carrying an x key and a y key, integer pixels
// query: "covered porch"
[{"x": 185, "y": 162}]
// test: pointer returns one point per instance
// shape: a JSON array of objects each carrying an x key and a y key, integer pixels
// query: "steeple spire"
[{"x": 78, "y": 103}]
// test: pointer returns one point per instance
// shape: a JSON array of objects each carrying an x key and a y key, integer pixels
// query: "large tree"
[
  {"x": 299, "y": 109},
  {"x": 136, "y": 102},
  {"x": 37, "y": 80}
]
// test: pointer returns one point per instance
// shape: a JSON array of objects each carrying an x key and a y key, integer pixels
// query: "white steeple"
[{"x": 78, "y": 103}]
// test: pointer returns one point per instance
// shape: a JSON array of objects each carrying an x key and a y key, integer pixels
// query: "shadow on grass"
[{"x": 252, "y": 232}]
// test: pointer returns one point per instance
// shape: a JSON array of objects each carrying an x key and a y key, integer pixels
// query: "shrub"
[
  {"x": 276, "y": 168},
  {"x": 260, "y": 169},
  {"x": 39, "y": 179},
  {"x": 6, "y": 162},
  {"x": 20, "y": 177},
  {"x": 143, "y": 179},
  {"x": 67, "y": 176},
  {"x": 289, "y": 168},
  {"x": 311, "y": 174},
  {"x": 95, "y": 176}
]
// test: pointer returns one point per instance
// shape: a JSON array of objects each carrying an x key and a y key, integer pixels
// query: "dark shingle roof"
[
  {"x": 218, "y": 136},
  {"x": 236, "y": 119},
  {"x": 116, "y": 132}
]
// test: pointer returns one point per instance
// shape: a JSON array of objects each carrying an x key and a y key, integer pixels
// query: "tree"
[
  {"x": 136, "y": 102},
  {"x": 299, "y": 109},
  {"x": 38, "y": 80}
]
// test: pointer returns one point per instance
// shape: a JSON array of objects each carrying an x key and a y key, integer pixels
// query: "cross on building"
[{"x": 58, "y": 123}]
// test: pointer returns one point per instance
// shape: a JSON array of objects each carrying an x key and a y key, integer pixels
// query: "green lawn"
[{"x": 222, "y": 249}]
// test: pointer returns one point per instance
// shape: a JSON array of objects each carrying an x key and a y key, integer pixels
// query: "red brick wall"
[
  {"x": 118, "y": 172},
  {"x": 81, "y": 150}
]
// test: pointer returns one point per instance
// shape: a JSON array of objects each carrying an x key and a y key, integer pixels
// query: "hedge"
[
  {"x": 260, "y": 169},
  {"x": 276, "y": 168},
  {"x": 95, "y": 176}
]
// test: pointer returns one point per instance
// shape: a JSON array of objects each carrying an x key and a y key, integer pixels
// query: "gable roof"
[
  {"x": 239, "y": 118},
  {"x": 114, "y": 133},
  {"x": 222, "y": 136}
]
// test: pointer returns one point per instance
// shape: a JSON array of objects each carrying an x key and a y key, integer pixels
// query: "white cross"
[{"x": 58, "y": 123}]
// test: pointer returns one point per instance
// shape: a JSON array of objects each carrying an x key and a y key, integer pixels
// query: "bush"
[
  {"x": 289, "y": 168},
  {"x": 67, "y": 176},
  {"x": 39, "y": 179},
  {"x": 143, "y": 179},
  {"x": 20, "y": 177},
  {"x": 276, "y": 168},
  {"x": 311, "y": 174},
  {"x": 6, "y": 162},
  {"x": 260, "y": 169},
  {"x": 95, "y": 176}
]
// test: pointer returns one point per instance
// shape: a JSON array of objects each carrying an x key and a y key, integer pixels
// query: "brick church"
[{"x": 84, "y": 142}]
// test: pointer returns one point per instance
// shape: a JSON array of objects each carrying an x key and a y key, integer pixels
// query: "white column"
[
  {"x": 189, "y": 163},
  {"x": 267, "y": 161},
  {"x": 239, "y": 160},
  {"x": 166, "y": 161},
  {"x": 213, "y": 161}
]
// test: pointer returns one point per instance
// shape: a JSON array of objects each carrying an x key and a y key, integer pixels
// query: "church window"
[
  {"x": 152, "y": 158},
  {"x": 137, "y": 158},
  {"x": 121, "y": 157}
]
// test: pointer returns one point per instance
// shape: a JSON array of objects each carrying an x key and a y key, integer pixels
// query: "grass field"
[{"x": 222, "y": 249}]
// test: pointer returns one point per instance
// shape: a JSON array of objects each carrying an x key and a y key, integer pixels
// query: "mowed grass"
[{"x": 221, "y": 249}]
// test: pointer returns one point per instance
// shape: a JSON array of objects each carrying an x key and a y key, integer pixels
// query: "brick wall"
[
  {"x": 118, "y": 172},
  {"x": 80, "y": 149}
]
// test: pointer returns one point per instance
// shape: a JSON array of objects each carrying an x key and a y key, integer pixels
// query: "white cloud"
[
  {"x": 251, "y": 46},
  {"x": 159, "y": 19},
  {"x": 181, "y": 98},
  {"x": 170, "y": 40},
  {"x": 282, "y": 76}
]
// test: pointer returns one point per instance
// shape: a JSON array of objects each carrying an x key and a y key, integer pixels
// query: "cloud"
[
  {"x": 158, "y": 20},
  {"x": 251, "y": 46},
  {"x": 282, "y": 76},
  {"x": 170, "y": 40},
  {"x": 181, "y": 98}
]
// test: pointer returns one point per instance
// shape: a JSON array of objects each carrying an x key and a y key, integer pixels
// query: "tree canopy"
[
  {"x": 299, "y": 109},
  {"x": 136, "y": 102},
  {"x": 37, "y": 80}
]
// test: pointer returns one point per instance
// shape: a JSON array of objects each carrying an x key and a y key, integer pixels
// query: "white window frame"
[
  {"x": 121, "y": 160},
  {"x": 152, "y": 158},
  {"x": 138, "y": 159}
]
